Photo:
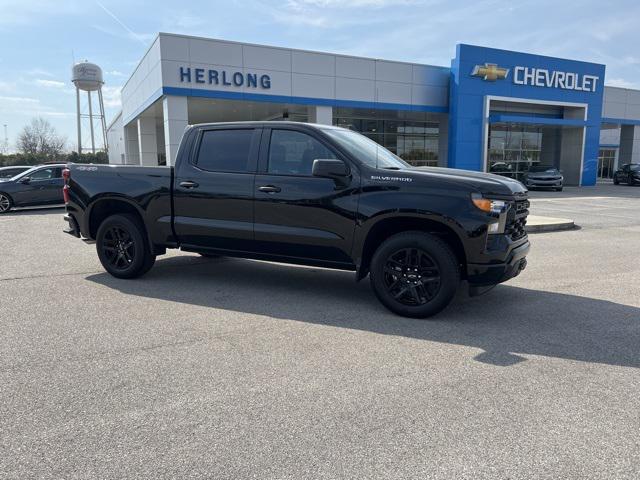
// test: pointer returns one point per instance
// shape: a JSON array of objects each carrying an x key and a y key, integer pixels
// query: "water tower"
[{"x": 88, "y": 78}]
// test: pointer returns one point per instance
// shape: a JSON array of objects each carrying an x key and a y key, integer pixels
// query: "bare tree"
[{"x": 41, "y": 138}]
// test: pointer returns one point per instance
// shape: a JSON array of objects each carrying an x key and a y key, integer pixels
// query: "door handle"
[
  {"x": 269, "y": 189},
  {"x": 188, "y": 184}
]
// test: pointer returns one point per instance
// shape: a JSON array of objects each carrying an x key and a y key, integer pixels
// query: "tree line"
[{"x": 39, "y": 142}]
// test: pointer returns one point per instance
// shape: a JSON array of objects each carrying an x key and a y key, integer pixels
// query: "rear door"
[
  {"x": 52, "y": 189},
  {"x": 213, "y": 189},
  {"x": 297, "y": 214}
]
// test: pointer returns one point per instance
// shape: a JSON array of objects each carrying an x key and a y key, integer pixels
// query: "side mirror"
[
  {"x": 334, "y": 169},
  {"x": 327, "y": 168},
  {"x": 25, "y": 180}
]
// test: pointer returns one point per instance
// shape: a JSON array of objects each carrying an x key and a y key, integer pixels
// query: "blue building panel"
[{"x": 479, "y": 72}]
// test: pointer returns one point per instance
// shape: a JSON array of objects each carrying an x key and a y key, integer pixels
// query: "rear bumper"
[
  {"x": 73, "y": 228},
  {"x": 479, "y": 274}
]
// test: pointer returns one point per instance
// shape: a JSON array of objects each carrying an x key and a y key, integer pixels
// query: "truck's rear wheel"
[
  {"x": 122, "y": 247},
  {"x": 414, "y": 274}
]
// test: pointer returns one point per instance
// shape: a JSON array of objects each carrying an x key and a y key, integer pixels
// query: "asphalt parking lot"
[{"x": 241, "y": 369}]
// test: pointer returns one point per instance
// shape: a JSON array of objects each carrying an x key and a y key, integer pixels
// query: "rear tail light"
[{"x": 66, "y": 175}]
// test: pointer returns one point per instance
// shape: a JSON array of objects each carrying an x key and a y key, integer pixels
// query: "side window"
[
  {"x": 57, "y": 173},
  {"x": 225, "y": 150},
  {"x": 293, "y": 153},
  {"x": 44, "y": 174},
  {"x": 626, "y": 168}
]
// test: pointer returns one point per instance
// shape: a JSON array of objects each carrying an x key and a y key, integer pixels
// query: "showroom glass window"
[
  {"x": 413, "y": 136},
  {"x": 225, "y": 150},
  {"x": 293, "y": 153},
  {"x": 515, "y": 148}
]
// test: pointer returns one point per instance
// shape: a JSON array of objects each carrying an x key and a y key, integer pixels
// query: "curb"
[{"x": 545, "y": 224}]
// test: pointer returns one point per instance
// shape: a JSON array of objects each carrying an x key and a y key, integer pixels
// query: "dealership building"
[{"x": 490, "y": 110}]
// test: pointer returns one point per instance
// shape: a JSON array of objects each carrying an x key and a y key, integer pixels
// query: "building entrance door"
[{"x": 606, "y": 160}]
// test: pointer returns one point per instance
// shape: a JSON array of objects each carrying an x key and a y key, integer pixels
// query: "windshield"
[
  {"x": 23, "y": 174},
  {"x": 366, "y": 150},
  {"x": 542, "y": 168},
  {"x": 635, "y": 167},
  {"x": 11, "y": 173}
]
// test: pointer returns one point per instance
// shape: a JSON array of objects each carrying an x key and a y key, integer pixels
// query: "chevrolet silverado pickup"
[{"x": 312, "y": 195}]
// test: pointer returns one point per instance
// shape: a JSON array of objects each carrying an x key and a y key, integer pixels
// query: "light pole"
[{"x": 5, "y": 146}]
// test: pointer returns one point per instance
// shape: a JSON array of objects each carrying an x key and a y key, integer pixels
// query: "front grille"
[{"x": 517, "y": 220}]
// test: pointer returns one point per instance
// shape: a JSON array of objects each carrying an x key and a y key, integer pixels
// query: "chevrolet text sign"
[{"x": 540, "y": 77}]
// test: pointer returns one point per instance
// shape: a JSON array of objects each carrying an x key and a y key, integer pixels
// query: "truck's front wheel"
[
  {"x": 414, "y": 274},
  {"x": 122, "y": 247}
]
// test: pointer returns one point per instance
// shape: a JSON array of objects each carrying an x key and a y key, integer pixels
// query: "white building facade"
[{"x": 420, "y": 112}]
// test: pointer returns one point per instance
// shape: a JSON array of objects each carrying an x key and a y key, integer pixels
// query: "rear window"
[{"x": 225, "y": 150}]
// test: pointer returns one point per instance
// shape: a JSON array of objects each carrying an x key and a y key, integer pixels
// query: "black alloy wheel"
[
  {"x": 411, "y": 276},
  {"x": 122, "y": 246},
  {"x": 415, "y": 274},
  {"x": 119, "y": 248}
]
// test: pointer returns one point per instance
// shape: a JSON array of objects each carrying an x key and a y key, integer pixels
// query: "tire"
[
  {"x": 413, "y": 255},
  {"x": 559, "y": 189},
  {"x": 5, "y": 203},
  {"x": 123, "y": 250},
  {"x": 616, "y": 181}
]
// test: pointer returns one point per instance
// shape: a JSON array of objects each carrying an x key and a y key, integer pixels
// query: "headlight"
[{"x": 495, "y": 207}]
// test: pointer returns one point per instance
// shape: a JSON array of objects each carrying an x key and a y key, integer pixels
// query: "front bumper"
[
  {"x": 479, "y": 274},
  {"x": 535, "y": 182}
]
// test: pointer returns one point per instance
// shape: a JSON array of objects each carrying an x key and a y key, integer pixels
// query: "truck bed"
[{"x": 145, "y": 190}]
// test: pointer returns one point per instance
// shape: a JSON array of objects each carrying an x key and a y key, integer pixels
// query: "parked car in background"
[
  {"x": 629, "y": 174},
  {"x": 543, "y": 176},
  {"x": 41, "y": 185},
  {"x": 8, "y": 172}
]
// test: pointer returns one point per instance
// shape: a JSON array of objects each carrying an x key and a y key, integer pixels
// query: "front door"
[
  {"x": 213, "y": 190},
  {"x": 298, "y": 215}
]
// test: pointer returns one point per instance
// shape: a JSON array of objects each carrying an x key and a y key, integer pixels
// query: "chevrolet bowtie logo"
[{"x": 490, "y": 71}]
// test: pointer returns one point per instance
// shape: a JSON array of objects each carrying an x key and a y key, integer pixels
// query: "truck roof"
[{"x": 267, "y": 122}]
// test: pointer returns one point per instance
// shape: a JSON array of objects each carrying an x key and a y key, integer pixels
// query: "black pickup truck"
[{"x": 307, "y": 194}]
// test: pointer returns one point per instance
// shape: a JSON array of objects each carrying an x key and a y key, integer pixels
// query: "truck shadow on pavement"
[{"x": 506, "y": 323}]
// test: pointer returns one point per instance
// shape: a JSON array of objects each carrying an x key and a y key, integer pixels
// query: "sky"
[{"x": 40, "y": 40}]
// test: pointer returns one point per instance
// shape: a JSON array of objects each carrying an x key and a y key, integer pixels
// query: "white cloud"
[
  {"x": 111, "y": 96},
  {"x": 301, "y": 4},
  {"x": 140, "y": 37},
  {"x": 53, "y": 113},
  {"x": 29, "y": 106},
  {"x": 39, "y": 72},
  {"x": 7, "y": 87},
  {"x": 20, "y": 13},
  {"x": 622, "y": 83},
  {"x": 19, "y": 100},
  {"x": 114, "y": 73},
  {"x": 49, "y": 83}
]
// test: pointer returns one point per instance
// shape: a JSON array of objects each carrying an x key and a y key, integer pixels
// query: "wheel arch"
[
  {"x": 105, "y": 207},
  {"x": 385, "y": 228}
]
